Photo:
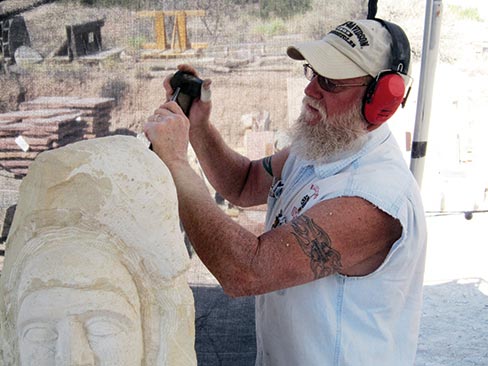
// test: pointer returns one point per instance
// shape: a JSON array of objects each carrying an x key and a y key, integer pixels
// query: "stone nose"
[{"x": 73, "y": 348}]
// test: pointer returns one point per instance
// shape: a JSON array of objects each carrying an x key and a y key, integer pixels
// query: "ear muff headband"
[
  {"x": 387, "y": 91},
  {"x": 400, "y": 47}
]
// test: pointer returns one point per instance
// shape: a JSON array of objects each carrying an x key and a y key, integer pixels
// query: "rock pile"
[
  {"x": 47, "y": 123},
  {"x": 95, "y": 111}
]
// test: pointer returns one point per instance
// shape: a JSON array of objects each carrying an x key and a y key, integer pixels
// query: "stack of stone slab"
[
  {"x": 49, "y": 122},
  {"x": 25, "y": 134},
  {"x": 96, "y": 112}
]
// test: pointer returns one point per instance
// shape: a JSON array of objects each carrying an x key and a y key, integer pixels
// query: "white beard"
[{"x": 331, "y": 137}]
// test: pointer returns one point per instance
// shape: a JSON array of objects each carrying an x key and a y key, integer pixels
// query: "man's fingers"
[
  {"x": 173, "y": 107},
  {"x": 162, "y": 110},
  {"x": 167, "y": 86},
  {"x": 206, "y": 93},
  {"x": 167, "y": 108}
]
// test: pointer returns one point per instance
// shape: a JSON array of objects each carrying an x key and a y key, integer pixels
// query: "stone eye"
[
  {"x": 40, "y": 333},
  {"x": 101, "y": 328}
]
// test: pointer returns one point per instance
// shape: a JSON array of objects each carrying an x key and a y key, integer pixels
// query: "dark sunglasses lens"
[{"x": 325, "y": 84}]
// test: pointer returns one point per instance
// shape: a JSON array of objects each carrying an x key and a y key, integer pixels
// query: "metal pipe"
[{"x": 430, "y": 52}]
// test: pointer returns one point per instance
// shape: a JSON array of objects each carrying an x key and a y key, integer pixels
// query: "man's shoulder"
[{"x": 380, "y": 177}]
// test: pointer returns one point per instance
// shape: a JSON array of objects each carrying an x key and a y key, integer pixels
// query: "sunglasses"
[{"x": 325, "y": 83}]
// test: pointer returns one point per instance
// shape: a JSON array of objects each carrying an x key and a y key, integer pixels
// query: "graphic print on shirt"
[
  {"x": 276, "y": 189},
  {"x": 279, "y": 220},
  {"x": 312, "y": 195}
]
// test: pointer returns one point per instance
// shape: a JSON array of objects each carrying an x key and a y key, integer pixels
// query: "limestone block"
[
  {"x": 69, "y": 102},
  {"x": 24, "y": 115},
  {"x": 25, "y": 56},
  {"x": 259, "y": 144},
  {"x": 95, "y": 264}
]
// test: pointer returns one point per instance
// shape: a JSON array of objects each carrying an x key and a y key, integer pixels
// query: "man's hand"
[
  {"x": 167, "y": 129},
  {"x": 201, "y": 108}
]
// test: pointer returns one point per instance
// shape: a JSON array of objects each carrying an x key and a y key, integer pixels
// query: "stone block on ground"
[
  {"x": 68, "y": 102},
  {"x": 259, "y": 144}
]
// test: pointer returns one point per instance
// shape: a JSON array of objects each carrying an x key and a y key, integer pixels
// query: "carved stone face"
[
  {"x": 83, "y": 327},
  {"x": 79, "y": 306},
  {"x": 94, "y": 271}
]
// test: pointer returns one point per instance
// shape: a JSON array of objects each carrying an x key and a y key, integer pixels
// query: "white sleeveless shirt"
[{"x": 340, "y": 320}]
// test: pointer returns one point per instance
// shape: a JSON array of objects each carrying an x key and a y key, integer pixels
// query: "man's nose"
[
  {"x": 73, "y": 348},
  {"x": 313, "y": 89}
]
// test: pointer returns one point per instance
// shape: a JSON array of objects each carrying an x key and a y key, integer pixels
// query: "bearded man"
[{"x": 338, "y": 273}]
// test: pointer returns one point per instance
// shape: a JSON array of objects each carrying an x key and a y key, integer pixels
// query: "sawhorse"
[{"x": 179, "y": 37}]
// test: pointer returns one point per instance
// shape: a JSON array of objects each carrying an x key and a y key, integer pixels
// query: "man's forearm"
[
  {"x": 226, "y": 248},
  {"x": 225, "y": 169}
]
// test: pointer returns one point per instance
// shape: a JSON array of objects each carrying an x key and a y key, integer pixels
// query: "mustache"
[{"x": 313, "y": 103}]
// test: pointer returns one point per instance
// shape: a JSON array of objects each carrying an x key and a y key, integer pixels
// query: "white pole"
[{"x": 430, "y": 51}]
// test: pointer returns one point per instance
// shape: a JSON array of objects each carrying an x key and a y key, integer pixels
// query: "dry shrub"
[
  {"x": 115, "y": 88},
  {"x": 12, "y": 93}
]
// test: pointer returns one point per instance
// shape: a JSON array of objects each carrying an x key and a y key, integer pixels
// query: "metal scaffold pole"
[{"x": 430, "y": 51}]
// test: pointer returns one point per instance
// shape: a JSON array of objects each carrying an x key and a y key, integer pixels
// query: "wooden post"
[
  {"x": 180, "y": 24},
  {"x": 159, "y": 27}
]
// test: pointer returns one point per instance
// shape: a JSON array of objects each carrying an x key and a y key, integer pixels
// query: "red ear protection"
[
  {"x": 385, "y": 94},
  {"x": 383, "y": 97}
]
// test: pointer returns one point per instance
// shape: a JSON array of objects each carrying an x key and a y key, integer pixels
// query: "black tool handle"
[{"x": 187, "y": 88}]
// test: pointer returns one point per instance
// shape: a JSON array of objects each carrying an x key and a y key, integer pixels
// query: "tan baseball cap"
[{"x": 354, "y": 48}]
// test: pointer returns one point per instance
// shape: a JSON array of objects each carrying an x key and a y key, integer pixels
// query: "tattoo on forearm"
[
  {"x": 267, "y": 165},
  {"x": 316, "y": 244}
]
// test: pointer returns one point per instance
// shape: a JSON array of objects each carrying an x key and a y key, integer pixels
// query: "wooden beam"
[{"x": 160, "y": 30}]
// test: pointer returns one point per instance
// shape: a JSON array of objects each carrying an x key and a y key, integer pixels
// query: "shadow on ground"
[{"x": 225, "y": 334}]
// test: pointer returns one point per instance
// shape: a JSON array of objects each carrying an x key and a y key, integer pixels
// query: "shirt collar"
[{"x": 373, "y": 139}]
